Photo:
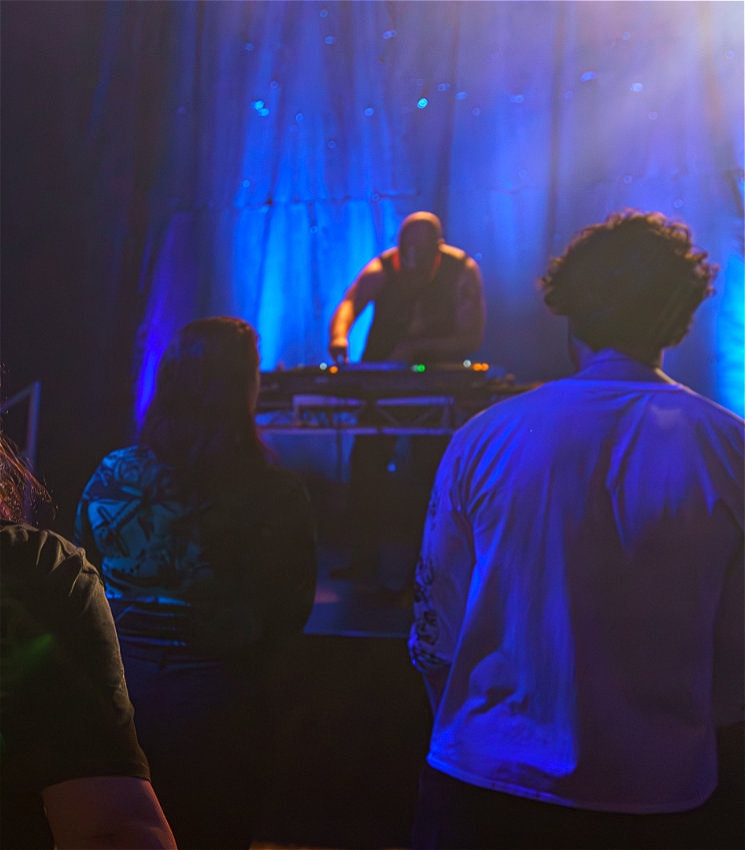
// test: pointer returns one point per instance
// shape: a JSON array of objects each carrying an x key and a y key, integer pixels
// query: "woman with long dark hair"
[{"x": 208, "y": 551}]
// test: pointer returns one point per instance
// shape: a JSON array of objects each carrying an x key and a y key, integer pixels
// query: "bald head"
[
  {"x": 418, "y": 241},
  {"x": 425, "y": 222}
]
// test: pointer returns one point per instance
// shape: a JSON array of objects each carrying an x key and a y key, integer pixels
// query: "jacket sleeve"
[
  {"x": 287, "y": 585},
  {"x": 67, "y": 713}
]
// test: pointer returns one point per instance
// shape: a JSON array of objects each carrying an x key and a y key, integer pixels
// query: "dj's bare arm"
[{"x": 364, "y": 289}]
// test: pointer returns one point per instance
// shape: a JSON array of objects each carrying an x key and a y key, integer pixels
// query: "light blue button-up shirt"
[{"x": 581, "y": 588}]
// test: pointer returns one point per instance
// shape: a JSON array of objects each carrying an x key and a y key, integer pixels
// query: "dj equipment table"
[{"x": 379, "y": 398}]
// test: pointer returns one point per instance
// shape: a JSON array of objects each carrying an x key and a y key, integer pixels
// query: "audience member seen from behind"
[
  {"x": 579, "y": 617},
  {"x": 209, "y": 554},
  {"x": 73, "y": 774}
]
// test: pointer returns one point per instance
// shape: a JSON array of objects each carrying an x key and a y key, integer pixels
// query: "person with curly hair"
[
  {"x": 632, "y": 284},
  {"x": 579, "y": 607}
]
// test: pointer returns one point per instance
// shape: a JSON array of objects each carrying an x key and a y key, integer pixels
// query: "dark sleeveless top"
[{"x": 396, "y": 304}]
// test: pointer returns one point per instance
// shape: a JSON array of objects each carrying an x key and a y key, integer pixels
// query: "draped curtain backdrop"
[
  {"x": 248, "y": 158},
  {"x": 295, "y": 137}
]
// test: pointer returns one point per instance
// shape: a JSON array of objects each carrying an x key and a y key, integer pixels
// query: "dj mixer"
[{"x": 389, "y": 380}]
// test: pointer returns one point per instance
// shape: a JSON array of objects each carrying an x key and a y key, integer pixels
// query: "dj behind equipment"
[
  {"x": 428, "y": 319},
  {"x": 401, "y": 417},
  {"x": 417, "y": 382},
  {"x": 381, "y": 398}
]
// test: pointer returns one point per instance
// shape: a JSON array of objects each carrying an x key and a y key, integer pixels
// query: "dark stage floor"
[
  {"x": 381, "y": 603},
  {"x": 377, "y": 606}
]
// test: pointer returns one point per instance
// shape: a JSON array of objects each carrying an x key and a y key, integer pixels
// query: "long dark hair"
[
  {"x": 201, "y": 418},
  {"x": 22, "y": 495}
]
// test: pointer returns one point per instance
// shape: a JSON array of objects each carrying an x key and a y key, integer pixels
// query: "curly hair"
[
  {"x": 632, "y": 282},
  {"x": 201, "y": 420}
]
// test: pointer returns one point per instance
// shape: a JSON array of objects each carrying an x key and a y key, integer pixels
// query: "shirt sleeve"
[
  {"x": 106, "y": 716},
  {"x": 68, "y": 714},
  {"x": 443, "y": 574}
]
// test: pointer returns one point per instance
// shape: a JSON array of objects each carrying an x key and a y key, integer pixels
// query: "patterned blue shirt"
[{"x": 225, "y": 572}]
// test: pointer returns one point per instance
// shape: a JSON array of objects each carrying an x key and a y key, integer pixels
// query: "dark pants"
[
  {"x": 458, "y": 816},
  {"x": 198, "y": 722}
]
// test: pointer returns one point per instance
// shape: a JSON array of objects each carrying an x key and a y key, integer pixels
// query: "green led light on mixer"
[{"x": 418, "y": 367}]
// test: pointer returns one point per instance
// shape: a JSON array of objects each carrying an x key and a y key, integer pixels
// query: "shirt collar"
[{"x": 611, "y": 365}]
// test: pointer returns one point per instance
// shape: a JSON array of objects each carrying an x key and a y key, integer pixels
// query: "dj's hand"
[{"x": 339, "y": 349}]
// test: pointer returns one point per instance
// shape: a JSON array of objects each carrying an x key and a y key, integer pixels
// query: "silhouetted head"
[
  {"x": 202, "y": 411},
  {"x": 418, "y": 243},
  {"x": 631, "y": 283}
]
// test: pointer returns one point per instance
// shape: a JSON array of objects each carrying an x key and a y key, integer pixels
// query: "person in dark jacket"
[{"x": 208, "y": 550}]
